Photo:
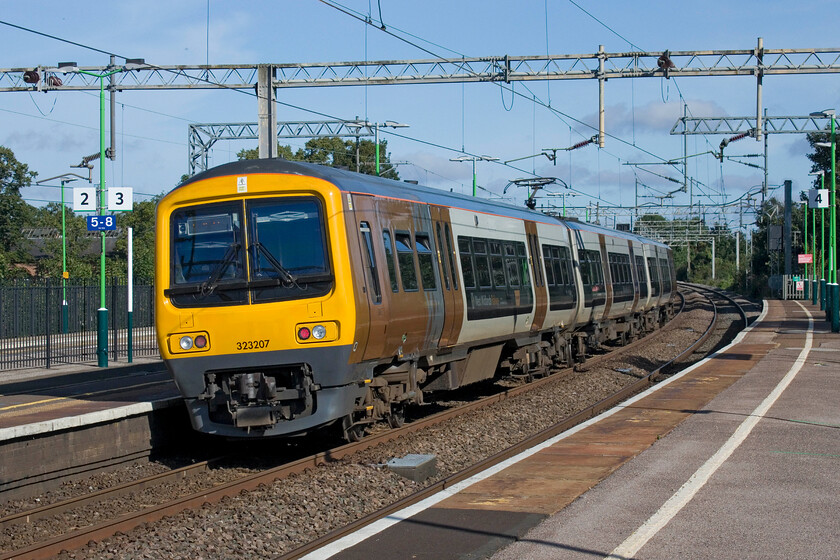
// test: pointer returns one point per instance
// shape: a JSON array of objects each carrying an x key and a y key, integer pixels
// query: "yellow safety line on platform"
[{"x": 92, "y": 393}]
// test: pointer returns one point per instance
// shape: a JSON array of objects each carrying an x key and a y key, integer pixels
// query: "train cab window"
[
  {"x": 425, "y": 258},
  {"x": 370, "y": 264},
  {"x": 287, "y": 249},
  {"x": 443, "y": 261},
  {"x": 389, "y": 260},
  {"x": 208, "y": 251},
  {"x": 451, "y": 258},
  {"x": 405, "y": 258},
  {"x": 640, "y": 273}
]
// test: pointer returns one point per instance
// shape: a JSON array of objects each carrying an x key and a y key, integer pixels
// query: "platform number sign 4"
[
  {"x": 84, "y": 199},
  {"x": 120, "y": 199},
  {"x": 818, "y": 198}
]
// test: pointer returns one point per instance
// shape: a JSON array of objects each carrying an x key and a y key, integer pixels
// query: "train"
[{"x": 292, "y": 297}]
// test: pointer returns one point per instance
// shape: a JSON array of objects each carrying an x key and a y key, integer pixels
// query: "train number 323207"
[{"x": 252, "y": 344}]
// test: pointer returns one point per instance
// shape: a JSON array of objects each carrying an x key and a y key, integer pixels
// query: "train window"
[
  {"x": 208, "y": 249},
  {"x": 653, "y": 270},
  {"x": 622, "y": 277},
  {"x": 496, "y": 284},
  {"x": 426, "y": 261},
  {"x": 373, "y": 273},
  {"x": 498, "y": 267},
  {"x": 592, "y": 276},
  {"x": 562, "y": 293},
  {"x": 482, "y": 264},
  {"x": 389, "y": 260},
  {"x": 405, "y": 258},
  {"x": 451, "y": 260},
  {"x": 666, "y": 275},
  {"x": 443, "y": 262},
  {"x": 466, "y": 262},
  {"x": 640, "y": 273},
  {"x": 287, "y": 249}
]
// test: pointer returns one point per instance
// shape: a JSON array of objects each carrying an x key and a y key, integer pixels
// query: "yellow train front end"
[{"x": 254, "y": 308}]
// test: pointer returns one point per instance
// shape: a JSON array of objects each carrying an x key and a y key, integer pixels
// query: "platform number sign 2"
[
  {"x": 84, "y": 199},
  {"x": 818, "y": 198}
]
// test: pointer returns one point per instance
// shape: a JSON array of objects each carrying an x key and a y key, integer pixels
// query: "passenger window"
[
  {"x": 389, "y": 258},
  {"x": 373, "y": 274},
  {"x": 425, "y": 258},
  {"x": 405, "y": 258}
]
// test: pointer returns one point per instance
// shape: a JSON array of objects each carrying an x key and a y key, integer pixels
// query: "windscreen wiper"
[
  {"x": 206, "y": 288},
  {"x": 286, "y": 275}
]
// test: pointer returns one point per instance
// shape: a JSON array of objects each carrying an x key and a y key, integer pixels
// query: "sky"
[{"x": 52, "y": 131}]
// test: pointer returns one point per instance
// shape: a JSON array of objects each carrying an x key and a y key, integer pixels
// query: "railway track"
[{"x": 97, "y": 532}]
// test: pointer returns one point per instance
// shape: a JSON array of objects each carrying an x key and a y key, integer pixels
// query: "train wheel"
[
  {"x": 352, "y": 432},
  {"x": 397, "y": 417}
]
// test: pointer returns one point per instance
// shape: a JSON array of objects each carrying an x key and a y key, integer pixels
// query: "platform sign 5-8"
[{"x": 101, "y": 223}]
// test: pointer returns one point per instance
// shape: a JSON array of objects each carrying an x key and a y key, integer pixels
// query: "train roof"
[{"x": 349, "y": 181}]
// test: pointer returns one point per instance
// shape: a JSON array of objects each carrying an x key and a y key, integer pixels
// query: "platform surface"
[{"x": 736, "y": 457}]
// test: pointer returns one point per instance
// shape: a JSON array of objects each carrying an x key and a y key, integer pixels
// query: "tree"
[
  {"x": 335, "y": 152},
  {"x": 14, "y": 176}
]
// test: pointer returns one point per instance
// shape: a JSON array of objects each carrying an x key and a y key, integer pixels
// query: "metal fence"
[{"x": 43, "y": 324}]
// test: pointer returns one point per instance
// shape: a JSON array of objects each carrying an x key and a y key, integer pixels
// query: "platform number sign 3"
[
  {"x": 84, "y": 199},
  {"x": 120, "y": 199},
  {"x": 818, "y": 198}
]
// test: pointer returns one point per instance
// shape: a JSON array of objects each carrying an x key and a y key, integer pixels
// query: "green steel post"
[
  {"x": 814, "y": 261},
  {"x": 102, "y": 313},
  {"x": 376, "y": 140},
  {"x": 65, "y": 316}
]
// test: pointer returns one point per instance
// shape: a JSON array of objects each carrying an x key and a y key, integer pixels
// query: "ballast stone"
[{"x": 414, "y": 466}]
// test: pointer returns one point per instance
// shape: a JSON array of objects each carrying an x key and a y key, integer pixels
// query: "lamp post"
[
  {"x": 473, "y": 159},
  {"x": 65, "y": 315},
  {"x": 833, "y": 301},
  {"x": 102, "y": 312}
]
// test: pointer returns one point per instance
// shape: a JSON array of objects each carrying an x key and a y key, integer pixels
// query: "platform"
[
  {"x": 76, "y": 419},
  {"x": 735, "y": 457}
]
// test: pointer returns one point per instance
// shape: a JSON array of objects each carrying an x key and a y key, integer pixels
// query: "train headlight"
[
  {"x": 312, "y": 333},
  {"x": 180, "y": 343}
]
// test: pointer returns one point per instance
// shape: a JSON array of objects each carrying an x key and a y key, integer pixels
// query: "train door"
[
  {"x": 372, "y": 300},
  {"x": 453, "y": 303},
  {"x": 635, "y": 276},
  {"x": 538, "y": 283},
  {"x": 416, "y": 309}
]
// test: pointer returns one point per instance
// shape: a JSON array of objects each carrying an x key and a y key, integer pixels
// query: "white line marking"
[{"x": 630, "y": 547}]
